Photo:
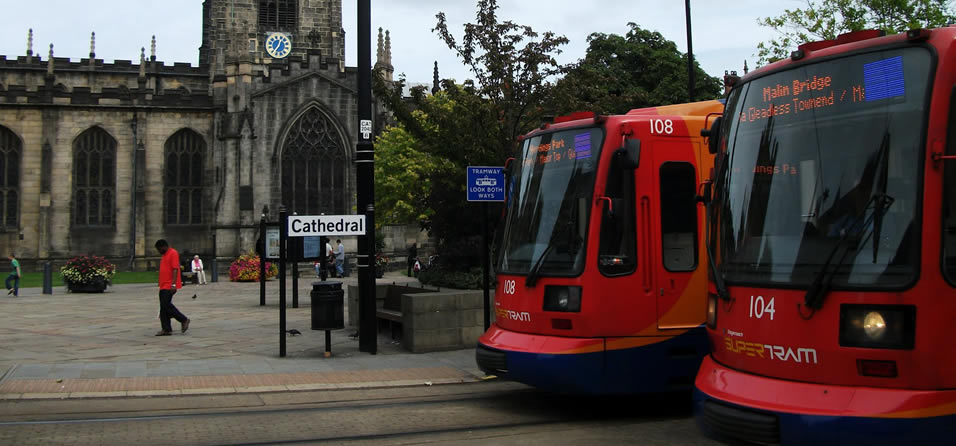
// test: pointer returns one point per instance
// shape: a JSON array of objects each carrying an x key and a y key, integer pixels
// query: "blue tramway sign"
[{"x": 486, "y": 183}]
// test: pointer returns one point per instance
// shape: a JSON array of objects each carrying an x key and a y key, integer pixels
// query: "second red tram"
[
  {"x": 602, "y": 274},
  {"x": 834, "y": 234}
]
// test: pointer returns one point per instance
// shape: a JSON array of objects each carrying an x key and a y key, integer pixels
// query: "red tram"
[
  {"x": 602, "y": 278},
  {"x": 833, "y": 233}
]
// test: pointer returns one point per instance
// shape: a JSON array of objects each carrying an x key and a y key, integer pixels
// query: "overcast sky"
[{"x": 725, "y": 33}]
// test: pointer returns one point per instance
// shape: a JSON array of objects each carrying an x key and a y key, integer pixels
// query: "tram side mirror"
[
  {"x": 713, "y": 136},
  {"x": 630, "y": 153}
]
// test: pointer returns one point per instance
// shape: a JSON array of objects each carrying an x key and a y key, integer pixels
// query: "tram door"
[{"x": 676, "y": 231}]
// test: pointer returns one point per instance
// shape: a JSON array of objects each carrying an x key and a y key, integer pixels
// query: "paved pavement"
[{"x": 102, "y": 345}]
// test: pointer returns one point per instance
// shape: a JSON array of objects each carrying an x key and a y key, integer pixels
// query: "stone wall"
[
  {"x": 444, "y": 320},
  {"x": 431, "y": 320},
  {"x": 46, "y": 216}
]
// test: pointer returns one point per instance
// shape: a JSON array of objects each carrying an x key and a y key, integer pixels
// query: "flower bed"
[
  {"x": 381, "y": 265},
  {"x": 88, "y": 273},
  {"x": 246, "y": 269}
]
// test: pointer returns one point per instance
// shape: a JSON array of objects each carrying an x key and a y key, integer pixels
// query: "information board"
[
  {"x": 311, "y": 248},
  {"x": 272, "y": 242}
]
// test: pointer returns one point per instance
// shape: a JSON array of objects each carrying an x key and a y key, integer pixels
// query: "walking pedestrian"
[
  {"x": 339, "y": 258},
  {"x": 169, "y": 281},
  {"x": 197, "y": 268},
  {"x": 14, "y": 276},
  {"x": 412, "y": 257},
  {"x": 330, "y": 259}
]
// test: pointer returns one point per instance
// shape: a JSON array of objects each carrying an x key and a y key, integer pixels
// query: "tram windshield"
[
  {"x": 822, "y": 173},
  {"x": 549, "y": 201}
]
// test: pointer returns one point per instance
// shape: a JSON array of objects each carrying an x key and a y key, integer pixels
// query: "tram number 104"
[{"x": 759, "y": 308}]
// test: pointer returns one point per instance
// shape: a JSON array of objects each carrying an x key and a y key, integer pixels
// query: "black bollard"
[
  {"x": 214, "y": 270},
  {"x": 47, "y": 278}
]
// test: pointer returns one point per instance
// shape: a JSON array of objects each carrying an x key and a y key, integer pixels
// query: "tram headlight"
[
  {"x": 874, "y": 326},
  {"x": 878, "y": 326},
  {"x": 712, "y": 311},
  {"x": 562, "y": 298}
]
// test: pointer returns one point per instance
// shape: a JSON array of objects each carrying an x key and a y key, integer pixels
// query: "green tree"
[
  {"x": 826, "y": 19},
  {"x": 403, "y": 176},
  {"x": 621, "y": 73},
  {"x": 476, "y": 122},
  {"x": 512, "y": 65}
]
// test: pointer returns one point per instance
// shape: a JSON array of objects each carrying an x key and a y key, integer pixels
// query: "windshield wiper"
[
  {"x": 820, "y": 286},
  {"x": 881, "y": 204},
  {"x": 536, "y": 269},
  {"x": 722, "y": 292}
]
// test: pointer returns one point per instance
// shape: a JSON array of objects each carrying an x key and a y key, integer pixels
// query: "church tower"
[
  {"x": 285, "y": 108},
  {"x": 240, "y": 29}
]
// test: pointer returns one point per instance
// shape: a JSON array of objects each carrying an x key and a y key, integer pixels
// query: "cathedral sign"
[
  {"x": 334, "y": 225},
  {"x": 278, "y": 45}
]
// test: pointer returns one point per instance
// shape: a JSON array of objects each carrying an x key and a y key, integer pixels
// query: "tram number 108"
[
  {"x": 662, "y": 126},
  {"x": 758, "y": 308}
]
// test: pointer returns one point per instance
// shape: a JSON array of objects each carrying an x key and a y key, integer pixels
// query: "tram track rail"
[{"x": 396, "y": 417}]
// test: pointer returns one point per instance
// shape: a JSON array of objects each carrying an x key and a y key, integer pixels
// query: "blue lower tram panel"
[
  {"x": 670, "y": 365},
  {"x": 734, "y": 424}
]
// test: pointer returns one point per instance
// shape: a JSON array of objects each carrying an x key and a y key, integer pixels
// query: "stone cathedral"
[{"x": 106, "y": 158}]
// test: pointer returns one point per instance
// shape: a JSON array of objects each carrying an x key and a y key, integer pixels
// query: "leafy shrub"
[
  {"x": 463, "y": 280},
  {"x": 88, "y": 270},
  {"x": 246, "y": 269}
]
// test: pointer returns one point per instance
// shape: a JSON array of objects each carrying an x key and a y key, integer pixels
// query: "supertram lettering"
[
  {"x": 522, "y": 316},
  {"x": 774, "y": 352}
]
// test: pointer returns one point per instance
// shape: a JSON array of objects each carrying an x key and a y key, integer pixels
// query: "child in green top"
[{"x": 14, "y": 275}]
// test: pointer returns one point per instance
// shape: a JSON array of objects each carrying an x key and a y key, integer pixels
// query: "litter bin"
[{"x": 328, "y": 299}]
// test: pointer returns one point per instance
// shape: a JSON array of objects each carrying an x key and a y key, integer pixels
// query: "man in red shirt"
[{"x": 169, "y": 282}]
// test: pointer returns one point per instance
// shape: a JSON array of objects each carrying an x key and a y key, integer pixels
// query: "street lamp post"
[
  {"x": 365, "y": 177},
  {"x": 690, "y": 54}
]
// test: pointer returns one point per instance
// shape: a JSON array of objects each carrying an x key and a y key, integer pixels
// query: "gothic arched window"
[
  {"x": 184, "y": 153},
  {"x": 10, "y": 152},
  {"x": 314, "y": 166},
  {"x": 94, "y": 178},
  {"x": 277, "y": 15}
]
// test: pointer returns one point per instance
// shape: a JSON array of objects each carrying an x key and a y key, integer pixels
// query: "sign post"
[
  {"x": 283, "y": 217},
  {"x": 260, "y": 246},
  {"x": 486, "y": 184},
  {"x": 314, "y": 229}
]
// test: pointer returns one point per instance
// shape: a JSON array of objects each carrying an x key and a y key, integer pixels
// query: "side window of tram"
[
  {"x": 949, "y": 197},
  {"x": 678, "y": 183},
  {"x": 617, "y": 252}
]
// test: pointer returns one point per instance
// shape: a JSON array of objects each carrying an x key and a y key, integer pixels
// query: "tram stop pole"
[
  {"x": 262, "y": 261},
  {"x": 295, "y": 271},
  {"x": 283, "y": 236},
  {"x": 485, "y": 264}
]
